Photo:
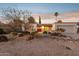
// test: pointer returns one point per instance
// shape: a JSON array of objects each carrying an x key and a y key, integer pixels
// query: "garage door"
[{"x": 68, "y": 28}]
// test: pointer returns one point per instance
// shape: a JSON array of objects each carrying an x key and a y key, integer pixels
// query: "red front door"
[{"x": 39, "y": 30}]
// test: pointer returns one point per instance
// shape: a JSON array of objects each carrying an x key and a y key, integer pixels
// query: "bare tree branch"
[
  {"x": 16, "y": 14},
  {"x": 19, "y": 17}
]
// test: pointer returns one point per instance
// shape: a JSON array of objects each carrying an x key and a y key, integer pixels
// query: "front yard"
[{"x": 39, "y": 46}]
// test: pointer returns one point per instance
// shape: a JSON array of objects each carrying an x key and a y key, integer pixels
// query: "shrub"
[
  {"x": 3, "y": 39},
  {"x": 20, "y": 34},
  {"x": 2, "y": 31},
  {"x": 55, "y": 34},
  {"x": 60, "y": 30},
  {"x": 45, "y": 32},
  {"x": 26, "y": 32},
  {"x": 49, "y": 32}
]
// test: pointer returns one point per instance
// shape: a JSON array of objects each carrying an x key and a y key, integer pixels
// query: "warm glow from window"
[{"x": 42, "y": 27}]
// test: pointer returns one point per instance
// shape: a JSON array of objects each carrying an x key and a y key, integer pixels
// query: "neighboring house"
[{"x": 69, "y": 27}]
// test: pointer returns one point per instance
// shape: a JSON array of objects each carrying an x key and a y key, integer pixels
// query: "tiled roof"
[
  {"x": 50, "y": 25},
  {"x": 68, "y": 23}
]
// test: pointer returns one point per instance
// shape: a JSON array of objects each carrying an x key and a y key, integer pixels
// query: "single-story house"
[
  {"x": 69, "y": 27},
  {"x": 45, "y": 25}
]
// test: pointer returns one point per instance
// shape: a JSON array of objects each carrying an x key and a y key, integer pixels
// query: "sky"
[
  {"x": 67, "y": 11},
  {"x": 43, "y": 7}
]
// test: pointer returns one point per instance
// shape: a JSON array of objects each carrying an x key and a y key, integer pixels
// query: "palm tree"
[{"x": 56, "y": 15}]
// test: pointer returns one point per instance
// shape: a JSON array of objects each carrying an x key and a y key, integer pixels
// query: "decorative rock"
[
  {"x": 20, "y": 34},
  {"x": 68, "y": 38},
  {"x": 68, "y": 48},
  {"x": 14, "y": 33},
  {"x": 30, "y": 37},
  {"x": 3, "y": 39}
]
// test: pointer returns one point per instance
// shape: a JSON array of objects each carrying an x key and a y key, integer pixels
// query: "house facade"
[
  {"x": 69, "y": 27},
  {"x": 44, "y": 27}
]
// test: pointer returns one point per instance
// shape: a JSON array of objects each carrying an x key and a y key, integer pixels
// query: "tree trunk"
[
  {"x": 56, "y": 18},
  {"x": 23, "y": 27}
]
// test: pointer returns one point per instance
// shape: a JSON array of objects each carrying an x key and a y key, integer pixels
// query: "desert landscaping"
[
  {"x": 32, "y": 30},
  {"x": 39, "y": 45}
]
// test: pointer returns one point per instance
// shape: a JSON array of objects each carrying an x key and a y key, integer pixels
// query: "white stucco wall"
[
  {"x": 53, "y": 26},
  {"x": 69, "y": 28}
]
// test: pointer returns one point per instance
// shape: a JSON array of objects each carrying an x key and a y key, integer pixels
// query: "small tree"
[
  {"x": 39, "y": 20},
  {"x": 56, "y": 15},
  {"x": 31, "y": 19}
]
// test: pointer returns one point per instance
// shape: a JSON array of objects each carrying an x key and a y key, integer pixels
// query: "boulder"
[
  {"x": 20, "y": 34},
  {"x": 14, "y": 33},
  {"x": 3, "y": 39},
  {"x": 30, "y": 37},
  {"x": 68, "y": 38},
  {"x": 68, "y": 48},
  {"x": 55, "y": 34}
]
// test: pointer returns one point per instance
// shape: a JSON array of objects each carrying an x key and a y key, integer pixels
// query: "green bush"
[
  {"x": 2, "y": 31},
  {"x": 60, "y": 30},
  {"x": 45, "y": 32}
]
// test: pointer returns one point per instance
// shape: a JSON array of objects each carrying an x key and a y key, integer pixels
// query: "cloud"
[
  {"x": 71, "y": 16},
  {"x": 38, "y": 9}
]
